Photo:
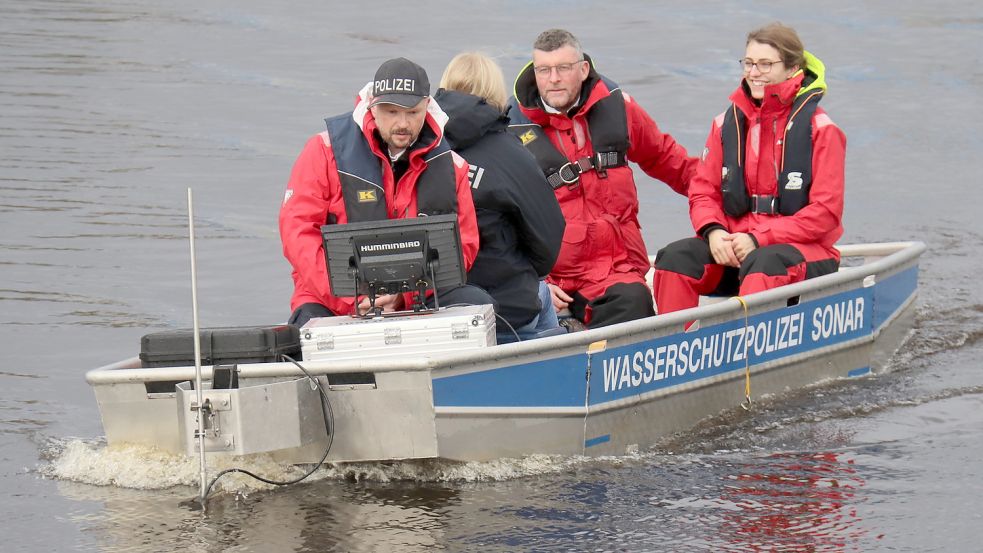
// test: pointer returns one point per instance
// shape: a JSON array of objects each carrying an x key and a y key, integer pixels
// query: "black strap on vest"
[
  {"x": 795, "y": 177},
  {"x": 607, "y": 123},
  {"x": 436, "y": 190},
  {"x": 796, "y": 163},
  {"x": 360, "y": 173}
]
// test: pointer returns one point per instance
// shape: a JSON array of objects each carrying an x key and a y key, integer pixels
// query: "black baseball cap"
[{"x": 400, "y": 81}]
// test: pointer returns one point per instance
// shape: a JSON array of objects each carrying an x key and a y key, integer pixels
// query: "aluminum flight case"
[{"x": 448, "y": 329}]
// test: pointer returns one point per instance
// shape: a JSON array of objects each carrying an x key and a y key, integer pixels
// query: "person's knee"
[
  {"x": 467, "y": 294},
  {"x": 629, "y": 292},
  {"x": 688, "y": 256},
  {"x": 771, "y": 260},
  {"x": 624, "y": 301},
  {"x": 547, "y": 318},
  {"x": 821, "y": 267},
  {"x": 308, "y": 311}
]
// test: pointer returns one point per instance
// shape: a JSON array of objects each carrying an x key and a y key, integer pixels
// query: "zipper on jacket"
[
  {"x": 774, "y": 158},
  {"x": 559, "y": 140}
]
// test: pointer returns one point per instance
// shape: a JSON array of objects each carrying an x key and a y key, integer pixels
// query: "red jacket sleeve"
[
  {"x": 656, "y": 152},
  {"x": 311, "y": 194},
  {"x": 467, "y": 221},
  {"x": 705, "y": 199},
  {"x": 820, "y": 220}
]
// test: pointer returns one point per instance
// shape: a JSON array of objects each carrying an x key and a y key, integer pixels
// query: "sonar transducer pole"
[{"x": 197, "y": 339}]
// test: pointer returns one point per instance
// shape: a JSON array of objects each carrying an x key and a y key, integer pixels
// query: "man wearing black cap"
[{"x": 385, "y": 160}]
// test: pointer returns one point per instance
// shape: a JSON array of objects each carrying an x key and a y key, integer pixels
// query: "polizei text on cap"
[{"x": 395, "y": 85}]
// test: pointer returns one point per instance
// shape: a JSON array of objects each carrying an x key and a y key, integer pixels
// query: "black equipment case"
[{"x": 220, "y": 346}]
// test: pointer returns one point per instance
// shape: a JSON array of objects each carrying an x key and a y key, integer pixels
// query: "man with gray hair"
[{"x": 583, "y": 131}]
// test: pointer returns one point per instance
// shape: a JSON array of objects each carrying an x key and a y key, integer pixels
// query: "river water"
[{"x": 112, "y": 109}]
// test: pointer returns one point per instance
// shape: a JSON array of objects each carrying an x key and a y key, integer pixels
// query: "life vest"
[
  {"x": 607, "y": 123},
  {"x": 795, "y": 178},
  {"x": 360, "y": 173}
]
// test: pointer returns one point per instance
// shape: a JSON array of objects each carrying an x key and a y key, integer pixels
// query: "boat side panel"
[
  {"x": 682, "y": 358},
  {"x": 643, "y": 366},
  {"x": 131, "y": 415},
  {"x": 557, "y": 382},
  {"x": 617, "y": 431},
  {"x": 473, "y": 435},
  {"x": 487, "y": 437},
  {"x": 393, "y": 420},
  {"x": 892, "y": 293},
  {"x": 825, "y": 336}
]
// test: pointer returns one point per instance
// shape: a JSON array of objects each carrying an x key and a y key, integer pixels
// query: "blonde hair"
[{"x": 477, "y": 74}]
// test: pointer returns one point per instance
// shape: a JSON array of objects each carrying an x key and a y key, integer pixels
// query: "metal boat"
[{"x": 604, "y": 391}]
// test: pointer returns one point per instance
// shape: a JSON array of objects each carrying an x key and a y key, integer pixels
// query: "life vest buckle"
[
  {"x": 567, "y": 175},
  {"x": 765, "y": 205},
  {"x": 596, "y": 163},
  {"x": 603, "y": 160}
]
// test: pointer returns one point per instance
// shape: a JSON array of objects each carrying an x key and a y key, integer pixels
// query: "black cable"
[
  {"x": 328, "y": 414},
  {"x": 511, "y": 328}
]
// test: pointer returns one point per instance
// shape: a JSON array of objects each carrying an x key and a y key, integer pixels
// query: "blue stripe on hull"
[
  {"x": 597, "y": 441},
  {"x": 862, "y": 371},
  {"x": 891, "y": 293},
  {"x": 552, "y": 383}
]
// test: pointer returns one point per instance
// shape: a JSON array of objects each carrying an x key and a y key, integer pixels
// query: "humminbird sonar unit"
[{"x": 393, "y": 256}]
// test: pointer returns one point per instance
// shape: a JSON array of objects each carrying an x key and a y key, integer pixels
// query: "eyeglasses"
[
  {"x": 764, "y": 66},
  {"x": 562, "y": 69}
]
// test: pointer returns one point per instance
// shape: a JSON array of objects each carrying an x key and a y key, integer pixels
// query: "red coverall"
[{"x": 790, "y": 248}]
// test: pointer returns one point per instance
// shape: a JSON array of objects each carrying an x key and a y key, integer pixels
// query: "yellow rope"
[{"x": 746, "y": 404}]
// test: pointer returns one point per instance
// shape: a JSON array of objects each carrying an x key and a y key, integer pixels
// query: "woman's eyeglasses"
[{"x": 764, "y": 66}]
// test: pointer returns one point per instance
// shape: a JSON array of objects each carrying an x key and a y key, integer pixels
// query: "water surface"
[{"x": 111, "y": 110}]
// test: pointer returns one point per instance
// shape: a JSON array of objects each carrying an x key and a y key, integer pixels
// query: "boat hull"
[{"x": 605, "y": 391}]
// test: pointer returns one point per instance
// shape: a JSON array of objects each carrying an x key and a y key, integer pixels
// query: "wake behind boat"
[{"x": 603, "y": 391}]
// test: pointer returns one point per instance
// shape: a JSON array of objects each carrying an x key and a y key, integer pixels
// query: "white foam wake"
[{"x": 146, "y": 468}]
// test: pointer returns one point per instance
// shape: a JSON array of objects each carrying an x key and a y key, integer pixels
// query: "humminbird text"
[{"x": 392, "y": 246}]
